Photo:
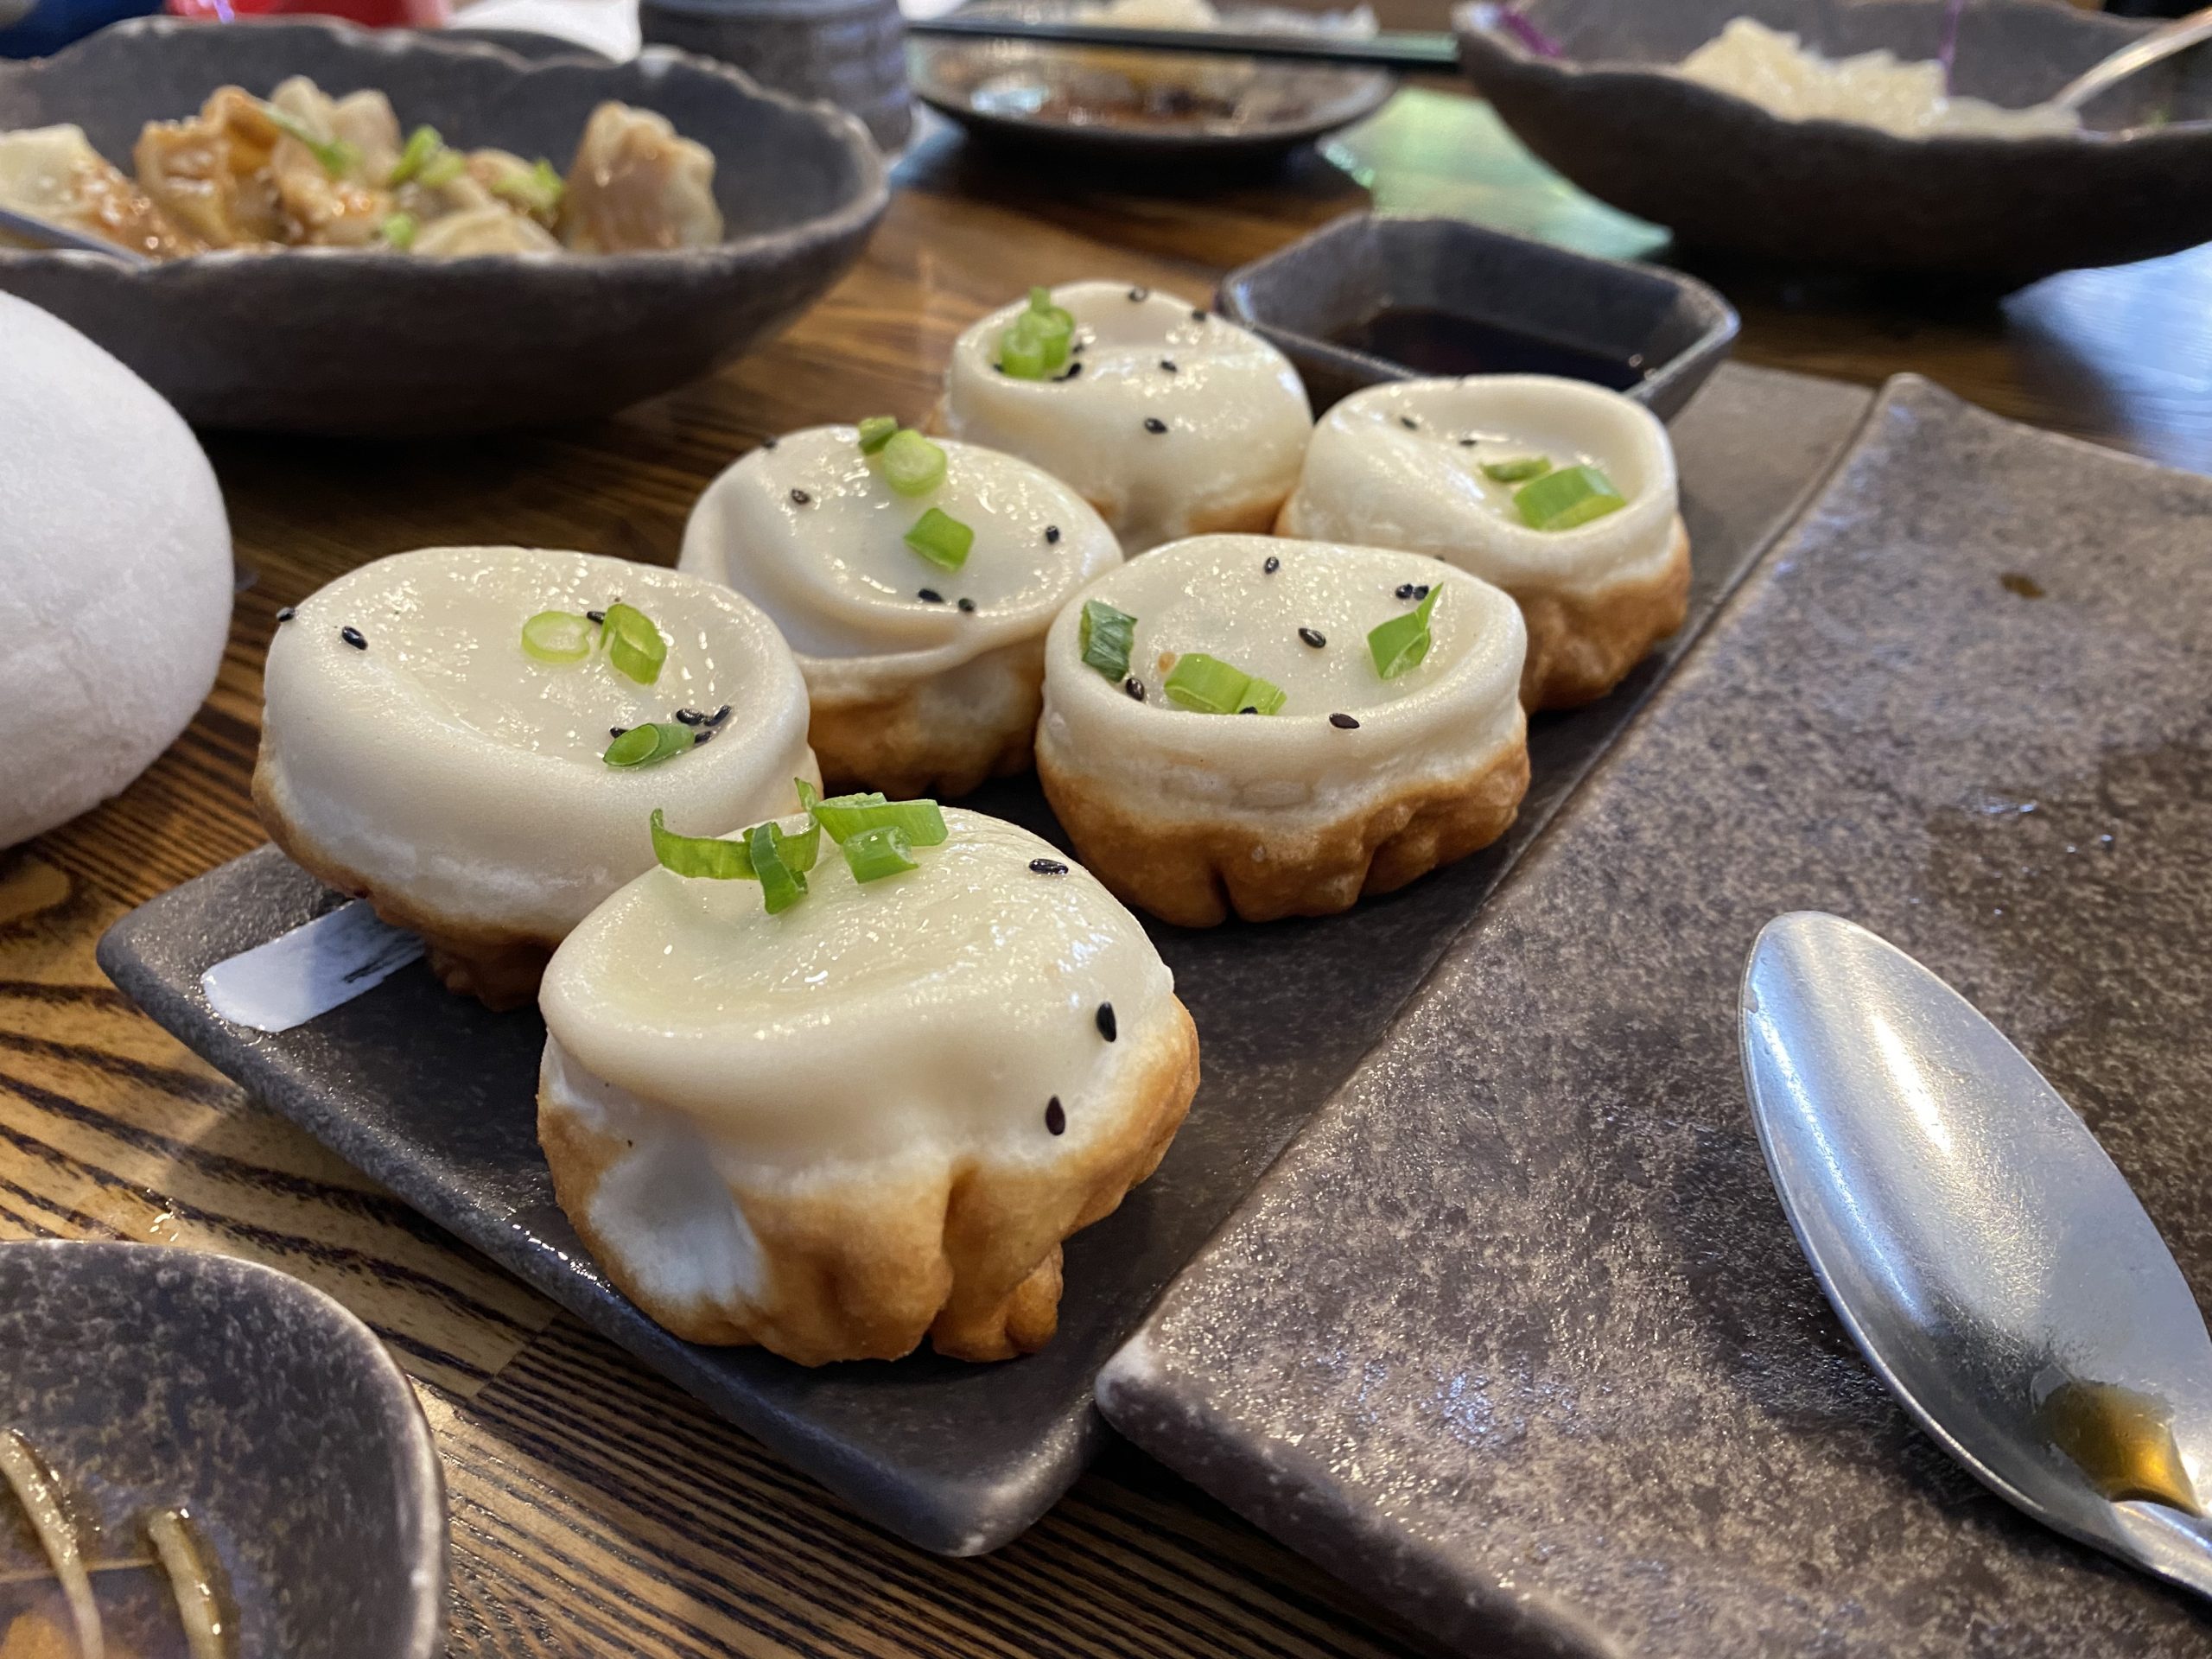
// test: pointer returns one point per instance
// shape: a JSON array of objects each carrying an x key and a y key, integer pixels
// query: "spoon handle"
[
  {"x": 2154, "y": 47},
  {"x": 45, "y": 233}
]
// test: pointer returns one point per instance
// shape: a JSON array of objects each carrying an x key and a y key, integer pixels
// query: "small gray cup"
[{"x": 851, "y": 52}]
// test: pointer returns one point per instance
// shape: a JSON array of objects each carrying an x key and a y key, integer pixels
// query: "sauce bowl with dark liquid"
[{"x": 1369, "y": 299}]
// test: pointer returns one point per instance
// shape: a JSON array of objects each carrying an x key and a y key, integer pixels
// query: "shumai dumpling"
[
  {"x": 475, "y": 738},
  {"x": 636, "y": 185},
  {"x": 55, "y": 173},
  {"x": 1562, "y": 493},
  {"x": 1168, "y": 420},
  {"x": 210, "y": 173},
  {"x": 871, "y": 1117},
  {"x": 924, "y": 662},
  {"x": 1280, "y": 727}
]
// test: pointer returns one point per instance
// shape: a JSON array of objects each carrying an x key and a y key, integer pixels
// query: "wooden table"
[{"x": 595, "y": 1509}]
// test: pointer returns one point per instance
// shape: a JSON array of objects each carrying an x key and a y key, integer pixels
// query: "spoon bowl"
[{"x": 1990, "y": 1260}]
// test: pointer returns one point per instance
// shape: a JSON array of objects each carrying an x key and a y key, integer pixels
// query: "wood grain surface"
[{"x": 595, "y": 1509}]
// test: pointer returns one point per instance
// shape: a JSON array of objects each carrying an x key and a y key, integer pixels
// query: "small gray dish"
[
  {"x": 148, "y": 1378},
  {"x": 1724, "y": 173},
  {"x": 1064, "y": 100},
  {"x": 1544, "y": 309},
  {"x": 850, "y": 52},
  {"x": 373, "y": 342}
]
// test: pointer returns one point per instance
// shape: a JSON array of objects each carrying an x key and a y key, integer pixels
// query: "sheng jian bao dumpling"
[
  {"x": 872, "y": 1116},
  {"x": 475, "y": 738}
]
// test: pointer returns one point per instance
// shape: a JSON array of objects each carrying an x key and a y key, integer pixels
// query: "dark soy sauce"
[{"x": 1444, "y": 343}]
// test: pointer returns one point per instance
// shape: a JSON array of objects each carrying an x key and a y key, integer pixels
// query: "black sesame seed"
[
  {"x": 1076, "y": 350},
  {"x": 998, "y": 368},
  {"x": 1468, "y": 443},
  {"x": 1409, "y": 423},
  {"x": 930, "y": 596},
  {"x": 1055, "y": 1119},
  {"x": 1273, "y": 565},
  {"x": 1140, "y": 292},
  {"x": 616, "y": 731},
  {"x": 1344, "y": 723},
  {"x": 596, "y": 616},
  {"x": 1405, "y": 590},
  {"x": 1134, "y": 686},
  {"x": 1048, "y": 867},
  {"x": 701, "y": 736},
  {"x": 1074, "y": 369},
  {"x": 1051, "y": 532},
  {"x": 1106, "y": 1026},
  {"x": 1153, "y": 424},
  {"x": 1312, "y": 637},
  {"x": 800, "y": 497},
  {"x": 966, "y": 604},
  {"x": 719, "y": 716},
  {"x": 767, "y": 443},
  {"x": 1168, "y": 364},
  {"x": 689, "y": 717},
  {"x": 354, "y": 637},
  {"x": 286, "y": 614},
  {"x": 1247, "y": 711},
  {"x": 1422, "y": 592},
  {"x": 1197, "y": 316}
]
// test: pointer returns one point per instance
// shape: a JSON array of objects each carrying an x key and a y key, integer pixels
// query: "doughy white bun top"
[
  {"x": 449, "y": 768},
  {"x": 1370, "y": 476},
  {"x": 1234, "y": 411},
  {"x": 932, "y": 1014},
  {"x": 117, "y": 554},
  {"x": 1215, "y": 594},
  {"x": 808, "y": 531}
]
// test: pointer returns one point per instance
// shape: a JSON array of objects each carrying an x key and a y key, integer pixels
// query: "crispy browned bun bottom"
[
  {"x": 942, "y": 736},
  {"x": 1194, "y": 871},
  {"x": 498, "y": 966},
  {"x": 1581, "y": 646},
  {"x": 971, "y": 1260}
]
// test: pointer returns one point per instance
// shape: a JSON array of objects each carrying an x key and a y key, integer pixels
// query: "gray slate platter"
[
  {"x": 435, "y": 1097},
  {"x": 1515, "y": 1335}
]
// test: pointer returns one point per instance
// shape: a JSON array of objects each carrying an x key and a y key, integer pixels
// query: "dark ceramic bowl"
[
  {"x": 1309, "y": 296},
  {"x": 356, "y": 341},
  {"x": 1724, "y": 173},
  {"x": 151, "y": 1378},
  {"x": 850, "y": 52},
  {"x": 1056, "y": 99}
]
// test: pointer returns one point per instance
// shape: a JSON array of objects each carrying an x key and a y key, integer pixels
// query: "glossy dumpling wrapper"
[
  {"x": 54, "y": 173},
  {"x": 871, "y": 1117},
  {"x": 492, "y": 229},
  {"x": 1359, "y": 785},
  {"x": 1170, "y": 421},
  {"x": 340, "y": 207},
  {"x": 911, "y": 695},
  {"x": 636, "y": 185},
  {"x": 1401, "y": 466},
  {"x": 210, "y": 173},
  {"x": 438, "y": 769}
]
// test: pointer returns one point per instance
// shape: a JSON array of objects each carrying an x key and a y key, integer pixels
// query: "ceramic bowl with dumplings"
[{"x": 371, "y": 341}]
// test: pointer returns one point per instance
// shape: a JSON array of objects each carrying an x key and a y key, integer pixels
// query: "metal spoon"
[
  {"x": 1990, "y": 1260},
  {"x": 45, "y": 233},
  {"x": 2154, "y": 47}
]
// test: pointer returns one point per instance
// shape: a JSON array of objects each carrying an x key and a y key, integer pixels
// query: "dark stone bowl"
[
  {"x": 1286, "y": 106},
  {"x": 1724, "y": 173},
  {"x": 380, "y": 343},
  {"x": 151, "y": 1377},
  {"x": 1676, "y": 329}
]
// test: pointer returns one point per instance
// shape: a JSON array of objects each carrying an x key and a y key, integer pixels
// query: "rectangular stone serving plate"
[
  {"x": 436, "y": 1098},
  {"x": 1515, "y": 1335}
]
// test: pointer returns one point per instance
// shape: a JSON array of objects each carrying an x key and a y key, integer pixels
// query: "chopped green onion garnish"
[
  {"x": 1207, "y": 685},
  {"x": 1402, "y": 642},
  {"x": 918, "y": 822},
  {"x": 1105, "y": 636},
  {"x": 423, "y": 146},
  {"x": 781, "y": 886},
  {"x": 1519, "y": 470},
  {"x": 876, "y": 431},
  {"x": 911, "y": 464},
  {"x": 1571, "y": 496},
  {"x": 443, "y": 168},
  {"x": 875, "y": 854},
  {"x": 648, "y": 745},
  {"x": 1040, "y": 339},
  {"x": 336, "y": 157},
  {"x": 706, "y": 857},
  {"x": 633, "y": 643},
  {"x": 942, "y": 539},
  {"x": 398, "y": 231},
  {"x": 557, "y": 636},
  {"x": 538, "y": 191},
  {"x": 808, "y": 794}
]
